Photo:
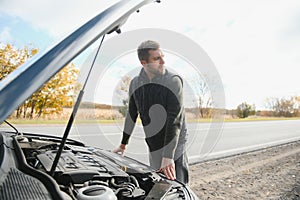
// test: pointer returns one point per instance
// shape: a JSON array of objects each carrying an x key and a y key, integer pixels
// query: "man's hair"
[{"x": 144, "y": 47}]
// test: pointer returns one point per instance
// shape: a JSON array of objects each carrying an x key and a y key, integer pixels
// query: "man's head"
[
  {"x": 144, "y": 47},
  {"x": 151, "y": 57}
]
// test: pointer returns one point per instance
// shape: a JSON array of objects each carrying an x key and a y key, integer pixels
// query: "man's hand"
[
  {"x": 168, "y": 168},
  {"x": 120, "y": 149}
]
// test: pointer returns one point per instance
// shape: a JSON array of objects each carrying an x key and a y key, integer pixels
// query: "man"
[{"x": 156, "y": 95}]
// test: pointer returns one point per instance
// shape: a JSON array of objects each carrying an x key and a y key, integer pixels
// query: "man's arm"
[
  {"x": 174, "y": 120},
  {"x": 130, "y": 121},
  {"x": 174, "y": 123}
]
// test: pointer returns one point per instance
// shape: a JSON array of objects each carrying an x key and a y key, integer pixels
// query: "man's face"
[{"x": 155, "y": 63}]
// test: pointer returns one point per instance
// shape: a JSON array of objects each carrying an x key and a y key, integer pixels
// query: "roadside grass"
[
  {"x": 57, "y": 121},
  {"x": 111, "y": 121},
  {"x": 244, "y": 119},
  {"x": 111, "y": 116},
  {"x": 262, "y": 119}
]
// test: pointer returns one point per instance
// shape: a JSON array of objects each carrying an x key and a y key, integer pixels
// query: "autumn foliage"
[{"x": 57, "y": 93}]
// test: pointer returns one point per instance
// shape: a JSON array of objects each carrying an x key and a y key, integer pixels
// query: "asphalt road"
[{"x": 205, "y": 141}]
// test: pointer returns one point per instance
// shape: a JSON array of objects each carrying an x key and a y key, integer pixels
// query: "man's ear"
[{"x": 143, "y": 62}]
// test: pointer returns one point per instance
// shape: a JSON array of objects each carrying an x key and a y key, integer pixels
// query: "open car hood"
[{"x": 29, "y": 77}]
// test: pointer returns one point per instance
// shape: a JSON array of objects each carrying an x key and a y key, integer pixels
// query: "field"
[{"x": 110, "y": 115}]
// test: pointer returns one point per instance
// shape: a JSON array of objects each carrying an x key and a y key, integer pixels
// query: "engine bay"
[{"x": 92, "y": 173}]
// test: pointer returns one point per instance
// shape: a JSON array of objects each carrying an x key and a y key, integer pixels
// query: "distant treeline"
[{"x": 92, "y": 105}]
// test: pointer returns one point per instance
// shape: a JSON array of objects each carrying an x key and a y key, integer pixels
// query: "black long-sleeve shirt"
[{"x": 159, "y": 103}]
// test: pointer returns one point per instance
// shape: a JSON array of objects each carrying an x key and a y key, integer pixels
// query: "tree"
[
  {"x": 203, "y": 94},
  {"x": 11, "y": 58},
  {"x": 297, "y": 106},
  {"x": 52, "y": 96},
  {"x": 56, "y": 93},
  {"x": 283, "y": 107},
  {"x": 244, "y": 110},
  {"x": 122, "y": 93},
  {"x": 204, "y": 99}
]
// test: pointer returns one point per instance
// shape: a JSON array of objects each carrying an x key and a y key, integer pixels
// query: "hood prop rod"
[{"x": 73, "y": 114}]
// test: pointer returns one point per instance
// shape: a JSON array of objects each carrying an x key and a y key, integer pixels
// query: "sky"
[{"x": 254, "y": 44}]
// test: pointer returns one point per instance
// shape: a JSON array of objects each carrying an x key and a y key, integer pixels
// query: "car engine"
[{"x": 82, "y": 173}]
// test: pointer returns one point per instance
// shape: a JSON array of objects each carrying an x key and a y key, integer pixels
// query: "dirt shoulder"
[{"x": 272, "y": 173}]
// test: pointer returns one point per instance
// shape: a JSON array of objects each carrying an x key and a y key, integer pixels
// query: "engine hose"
[
  {"x": 134, "y": 180},
  {"x": 125, "y": 189},
  {"x": 112, "y": 182},
  {"x": 125, "y": 192}
]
